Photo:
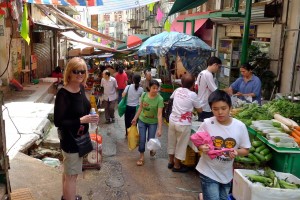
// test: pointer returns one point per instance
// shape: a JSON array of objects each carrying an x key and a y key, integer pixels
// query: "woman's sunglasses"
[{"x": 75, "y": 71}]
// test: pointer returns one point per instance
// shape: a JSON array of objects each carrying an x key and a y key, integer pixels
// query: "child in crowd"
[{"x": 226, "y": 132}]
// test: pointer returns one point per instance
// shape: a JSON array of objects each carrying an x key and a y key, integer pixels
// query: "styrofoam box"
[{"x": 243, "y": 189}]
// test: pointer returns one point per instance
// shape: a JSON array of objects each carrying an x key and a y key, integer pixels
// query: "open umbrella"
[
  {"x": 192, "y": 51},
  {"x": 170, "y": 42},
  {"x": 133, "y": 41}
]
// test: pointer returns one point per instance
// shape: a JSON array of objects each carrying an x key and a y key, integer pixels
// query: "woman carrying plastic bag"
[{"x": 133, "y": 137}]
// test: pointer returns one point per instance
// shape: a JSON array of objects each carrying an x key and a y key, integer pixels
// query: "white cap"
[{"x": 93, "y": 111}]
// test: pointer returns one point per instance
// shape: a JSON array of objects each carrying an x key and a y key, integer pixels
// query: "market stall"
[{"x": 274, "y": 127}]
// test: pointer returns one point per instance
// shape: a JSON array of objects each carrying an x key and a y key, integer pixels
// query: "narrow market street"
[{"x": 119, "y": 177}]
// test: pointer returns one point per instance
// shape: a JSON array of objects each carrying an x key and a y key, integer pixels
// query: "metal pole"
[
  {"x": 294, "y": 74},
  {"x": 244, "y": 55},
  {"x": 184, "y": 27},
  {"x": 236, "y": 5},
  {"x": 193, "y": 27}
]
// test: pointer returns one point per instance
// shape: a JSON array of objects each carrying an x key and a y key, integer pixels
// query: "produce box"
[
  {"x": 284, "y": 159},
  {"x": 243, "y": 189},
  {"x": 74, "y": 52},
  {"x": 87, "y": 50},
  {"x": 286, "y": 162}
]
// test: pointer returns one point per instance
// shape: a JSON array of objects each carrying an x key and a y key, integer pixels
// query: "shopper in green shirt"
[{"x": 150, "y": 118}]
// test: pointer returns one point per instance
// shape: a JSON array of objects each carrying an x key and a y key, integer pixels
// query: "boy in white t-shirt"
[{"x": 226, "y": 132}]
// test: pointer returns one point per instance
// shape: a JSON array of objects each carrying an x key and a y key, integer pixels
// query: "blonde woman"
[{"x": 71, "y": 116}]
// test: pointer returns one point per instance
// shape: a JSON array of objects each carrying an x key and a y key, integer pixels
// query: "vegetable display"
[
  {"x": 259, "y": 154},
  {"x": 277, "y": 132},
  {"x": 252, "y": 112},
  {"x": 285, "y": 108},
  {"x": 269, "y": 179}
]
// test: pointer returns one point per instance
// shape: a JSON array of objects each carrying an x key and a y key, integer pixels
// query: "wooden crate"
[{"x": 22, "y": 194}]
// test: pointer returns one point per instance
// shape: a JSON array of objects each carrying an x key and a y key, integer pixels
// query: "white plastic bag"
[{"x": 153, "y": 144}]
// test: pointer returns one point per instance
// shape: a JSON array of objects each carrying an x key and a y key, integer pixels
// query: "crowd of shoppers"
[{"x": 144, "y": 108}]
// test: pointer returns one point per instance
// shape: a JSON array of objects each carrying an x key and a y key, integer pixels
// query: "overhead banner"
[
  {"x": 98, "y": 6},
  {"x": 118, "y": 5},
  {"x": 68, "y": 2}
]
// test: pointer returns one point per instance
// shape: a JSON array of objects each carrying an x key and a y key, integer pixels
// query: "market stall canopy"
[
  {"x": 180, "y": 5},
  {"x": 136, "y": 40},
  {"x": 165, "y": 42},
  {"x": 178, "y": 24},
  {"x": 132, "y": 42},
  {"x": 192, "y": 51},
  {"x": 74, "y": 37},
  {"x": 64, "y": 17},
  {"x": 51, "y": 26}
]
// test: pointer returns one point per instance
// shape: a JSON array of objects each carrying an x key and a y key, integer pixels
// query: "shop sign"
[{"x": 252, "y": 30}]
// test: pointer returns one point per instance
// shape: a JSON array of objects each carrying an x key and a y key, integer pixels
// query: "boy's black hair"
[
  {"x": 214, "y": 60},
  {"x": 219, "y": 95},
  {"x": 153, "y": 82}
]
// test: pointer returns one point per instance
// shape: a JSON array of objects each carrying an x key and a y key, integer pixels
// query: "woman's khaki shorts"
[{"x": 72, "y": 163}]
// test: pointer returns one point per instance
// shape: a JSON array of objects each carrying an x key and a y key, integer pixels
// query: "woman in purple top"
[{"x": 247, "y": 87}]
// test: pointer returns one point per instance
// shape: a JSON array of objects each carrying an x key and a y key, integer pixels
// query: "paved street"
[{"x": 119, "y": 177}]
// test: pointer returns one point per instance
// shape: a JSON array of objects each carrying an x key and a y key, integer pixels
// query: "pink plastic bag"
[{"x": 201, "y": 138}]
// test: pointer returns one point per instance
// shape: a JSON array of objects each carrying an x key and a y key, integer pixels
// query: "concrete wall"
[{"x": 290, "y": 47}]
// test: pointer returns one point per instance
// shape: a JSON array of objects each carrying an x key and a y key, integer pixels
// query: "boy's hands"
[
  {"x": 204, "y": 148},
  {"x": 233, "y": 154}
]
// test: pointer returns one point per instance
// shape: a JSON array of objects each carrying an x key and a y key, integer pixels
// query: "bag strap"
[{"x": 127, "y": 91}]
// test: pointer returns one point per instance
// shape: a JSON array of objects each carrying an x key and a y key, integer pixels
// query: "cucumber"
[
  {"x": 260, "y": 148},
  {"x": 268, "y": 157},
  {"x": 265, "y": 152},
  {"x": 252, "y": 149},
  {"x": 246, "y": 160},
  {"x": 259, "y": 157},
  {"x": 257, "y": 143},
  {"x": 237, "y": 159},
  {"x": 251, "y": 156}
]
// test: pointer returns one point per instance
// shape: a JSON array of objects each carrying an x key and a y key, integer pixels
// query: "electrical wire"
[
  {"x": 9, "y": 47},
  {"x": 20, "y": 134}
]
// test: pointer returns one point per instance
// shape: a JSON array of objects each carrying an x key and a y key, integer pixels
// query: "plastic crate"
[
  {"x": 286, "y": 162},
  {"x": 284, "y": 159}
]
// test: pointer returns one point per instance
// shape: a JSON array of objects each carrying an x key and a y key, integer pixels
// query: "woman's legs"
[
  {"x": 151, "y": 131},
  {"x": 69, "y": 186},
  {"x": 129, "y": 115},
  {"x": 142, "y": 135},
  {"x": 72, "y": 164}
]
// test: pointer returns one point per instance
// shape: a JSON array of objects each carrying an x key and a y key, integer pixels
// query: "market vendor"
[
  {"x": 248, "y": 86},
  {"x": 145, "y": 82}
]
